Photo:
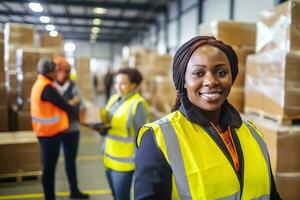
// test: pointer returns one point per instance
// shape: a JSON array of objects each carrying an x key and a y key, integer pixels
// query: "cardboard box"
[
  {"x": 2, "y": 79},
  {"x": 279, "y": 27},
  {"x": 93, "y": 115},
  {"x": 19, "y": 34},
  {"x": 19, "y": 152},
  {"x": 26, "y": 85},
  {"x": 24, "y": 120},
  {"x": 12, "y": 96},
  {"x": 231, "y": 32},
  {"x": 13, "y": 117},
  {"x": 165, "y": 94},
  {"x": 242, "y": 53},
  {"x": 4, "y": 118},
  {"x": 28, "y": 58},
  {"x": 283, "y": 145},
  {"x": 288, "y": 186},
  {"x": 282, "y": 142},
  {"x": 49, "y": 41},
  {"x": 3, "y": 94},
  {"x": 13, "y": 79},
  {"x": 272, "y": 83},
  {"x": 236, "y": 98}
]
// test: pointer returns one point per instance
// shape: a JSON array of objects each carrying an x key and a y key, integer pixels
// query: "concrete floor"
[{"x": 90, "y": 172}]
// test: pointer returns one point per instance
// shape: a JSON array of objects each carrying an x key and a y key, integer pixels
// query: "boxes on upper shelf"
[{"x": 231, "y": 32}]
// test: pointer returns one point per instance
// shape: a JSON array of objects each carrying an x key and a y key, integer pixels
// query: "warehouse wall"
[
  {"x": 188, "y": 20},
  {"x": 100, "y": 50},
  {"x": 254, "y": 6},
  {"x": 216, "y": 10},
  {"x": 189, "y": 25}
]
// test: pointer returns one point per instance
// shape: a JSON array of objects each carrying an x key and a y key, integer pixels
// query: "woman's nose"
[{"x": 210, "y": 80}]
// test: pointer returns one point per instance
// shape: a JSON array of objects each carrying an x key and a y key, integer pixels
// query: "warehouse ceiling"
[{"x": 89, "y": 20}]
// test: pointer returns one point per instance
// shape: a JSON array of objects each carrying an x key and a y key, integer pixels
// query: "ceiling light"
[
  {"x": 95, "y": 30},
  {"x": 99, "y": 10},
  {"x": 35, "y": 7},
  {"x": 44, "y": 19},
  {"x": 50, "y": 27},
  {"x": 96, "y": 21},
  {"x": 53, "y": 33},
  {"x": 93, "y": 35},
  {"x": 69, "y": 46}
]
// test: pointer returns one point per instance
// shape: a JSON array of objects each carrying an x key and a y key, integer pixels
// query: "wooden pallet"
[
  {"x": 21, "y": 176},
  {"x": 280, "y": 120}
]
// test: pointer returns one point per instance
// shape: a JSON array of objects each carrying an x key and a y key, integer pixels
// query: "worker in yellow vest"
[
  {"x": 203, "y": 149},
  {"x": 50, "y": 115},
  {"x": 127, "y": 111}
]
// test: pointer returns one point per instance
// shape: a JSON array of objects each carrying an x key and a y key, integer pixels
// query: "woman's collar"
[{"x": 229, "y": 116}]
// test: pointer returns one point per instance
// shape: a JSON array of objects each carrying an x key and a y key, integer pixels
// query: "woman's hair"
[
  {"x": 45, "y": 66},
  {"x": 134, "y": 75},
  {"x": 183, "y": 55}
]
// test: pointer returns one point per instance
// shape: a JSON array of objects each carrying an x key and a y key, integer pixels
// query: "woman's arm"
[
  {"x": 140, "y": 117},
  {"x": 153, "y": 175}
]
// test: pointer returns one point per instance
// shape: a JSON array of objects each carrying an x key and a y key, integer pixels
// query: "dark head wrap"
[{"x": 184, "y": 53}]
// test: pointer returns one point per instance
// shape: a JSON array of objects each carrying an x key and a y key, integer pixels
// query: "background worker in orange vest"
[
  {"x": 50, "y": 115},
  {"x": 70, "y": 139}
]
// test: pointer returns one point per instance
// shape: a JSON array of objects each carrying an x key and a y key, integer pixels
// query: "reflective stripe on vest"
[
  {"x": 46, "y": 121},
  {"x": 119, "y": 146},
  {"x": 173, "y": 135},
  {"x": 176, "y": 162}
]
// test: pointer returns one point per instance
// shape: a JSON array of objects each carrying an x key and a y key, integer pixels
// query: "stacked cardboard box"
[
  {"x": 241, "y": 36},
  {"x": 272, "y": 78},
  {"x": 19, "y": 153},
  {"x": 157, "y": 87},
  {"x": 51, "y": 42},
  {"x": 84, "y": 78},
  {"x": 27, "y": 60},
  {"x": 283, "y": 145},
  {"x": 3, "y": 95},
  {"x": 272, "y": 91},
  {"x": 15, "y": 36}
]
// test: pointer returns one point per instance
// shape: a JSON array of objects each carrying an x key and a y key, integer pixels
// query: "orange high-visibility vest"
[{"x": 47, "y": 119}]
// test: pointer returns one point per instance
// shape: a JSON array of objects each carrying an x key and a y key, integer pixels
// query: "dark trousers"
[
  {"x": 50, "y": 147},
  {"x": 120, "y": 183}
]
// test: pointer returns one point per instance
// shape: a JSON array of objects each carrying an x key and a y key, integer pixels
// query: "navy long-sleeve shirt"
[{"x": 51, "y": 94}]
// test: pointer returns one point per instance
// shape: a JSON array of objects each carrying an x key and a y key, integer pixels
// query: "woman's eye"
[
  {"x": 221, "y": 73},
  {"x": 198, "y": 74}
]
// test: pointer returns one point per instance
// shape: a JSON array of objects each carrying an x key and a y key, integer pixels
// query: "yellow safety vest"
[
  {"x": 120, "y": 141},
  {"x": 200, "y": 168}
]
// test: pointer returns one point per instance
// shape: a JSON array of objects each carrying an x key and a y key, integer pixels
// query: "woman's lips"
[{"x": 211, "y": 97}]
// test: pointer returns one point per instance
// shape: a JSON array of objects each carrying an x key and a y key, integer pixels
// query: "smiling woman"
[{"x": 203, "y": 149}]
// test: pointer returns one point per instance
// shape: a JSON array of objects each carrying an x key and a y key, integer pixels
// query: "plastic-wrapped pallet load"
[
  {"x": 284, "y": 148},
  {"x": 279, "y": 28},
  {"x": 272, "y": 83}
]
